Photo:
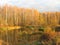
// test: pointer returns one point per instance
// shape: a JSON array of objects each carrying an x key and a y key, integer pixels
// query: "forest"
[{"x": 23, "y": 26}]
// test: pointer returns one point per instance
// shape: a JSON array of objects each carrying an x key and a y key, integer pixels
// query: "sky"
[{"x": 40, "y": 5}]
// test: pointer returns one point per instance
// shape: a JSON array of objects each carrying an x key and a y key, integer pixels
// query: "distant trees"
[
  {"x": 21, "y": 16},
  {"x": 51, "y": 18}
]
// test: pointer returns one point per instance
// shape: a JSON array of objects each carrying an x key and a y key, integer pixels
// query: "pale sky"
[{"x": 41, "y": 5}]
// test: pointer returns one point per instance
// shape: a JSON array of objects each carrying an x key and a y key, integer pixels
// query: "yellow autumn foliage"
[{"x": 48, "y": 30}]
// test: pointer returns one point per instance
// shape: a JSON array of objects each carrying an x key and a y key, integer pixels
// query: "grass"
[{"x": 33, "y": 37}]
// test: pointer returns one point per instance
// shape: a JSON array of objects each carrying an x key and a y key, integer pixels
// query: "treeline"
[{"x": 14, "y": 16}]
